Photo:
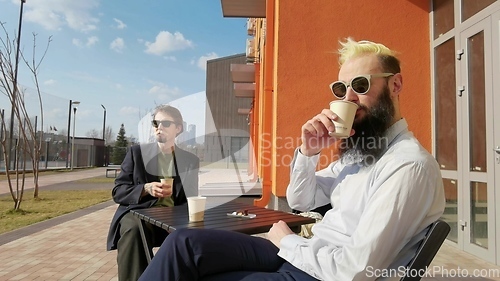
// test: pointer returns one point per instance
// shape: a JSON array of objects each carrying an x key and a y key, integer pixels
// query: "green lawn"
[{"x": 50, "y": 204}]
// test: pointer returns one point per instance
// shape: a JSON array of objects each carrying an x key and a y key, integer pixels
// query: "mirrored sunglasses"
[
  {"x": 164, "y": 123},
  {"x": 359, "y": 84}
]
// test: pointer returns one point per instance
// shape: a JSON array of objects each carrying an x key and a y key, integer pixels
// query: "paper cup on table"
[
  {"x": 196, "y": 208},
  {"x": 346, "y": 111}
]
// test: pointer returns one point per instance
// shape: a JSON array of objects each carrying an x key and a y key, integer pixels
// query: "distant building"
[
  {"x": 183, "y": 137},
  {"x": 89, "y": 152},
  {"x": 224, "y": 107},
  {"x": 191, "y": 134},
  {"x": 188, "y": 136}
]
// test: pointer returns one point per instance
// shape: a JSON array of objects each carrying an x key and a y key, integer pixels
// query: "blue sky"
[{"x": 127, "y": 55}]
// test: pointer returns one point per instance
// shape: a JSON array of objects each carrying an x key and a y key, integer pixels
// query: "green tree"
[{"x": 120, "y": 148}]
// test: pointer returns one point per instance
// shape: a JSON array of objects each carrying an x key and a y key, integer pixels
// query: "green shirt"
[{"x": 166, "y": 169}]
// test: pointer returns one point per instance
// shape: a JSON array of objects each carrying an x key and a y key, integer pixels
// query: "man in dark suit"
[{"x": 139, "y": 186}]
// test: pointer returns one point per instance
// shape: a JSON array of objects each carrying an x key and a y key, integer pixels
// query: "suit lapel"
[
  {"x": 181, "y": 167},
  {"x": 150, "y": 158}
]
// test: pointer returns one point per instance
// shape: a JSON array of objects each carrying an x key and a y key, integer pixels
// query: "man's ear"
[{"x": 396, "y": 85}]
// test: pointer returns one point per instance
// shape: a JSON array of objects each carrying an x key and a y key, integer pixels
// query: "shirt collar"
[{"x": 398, "y": 128}]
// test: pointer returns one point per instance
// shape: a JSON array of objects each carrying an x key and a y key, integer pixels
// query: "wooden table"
[{"x": 173, "y": 218}]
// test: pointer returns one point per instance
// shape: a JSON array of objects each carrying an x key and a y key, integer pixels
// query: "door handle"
[{"x": 497, "y": 149}]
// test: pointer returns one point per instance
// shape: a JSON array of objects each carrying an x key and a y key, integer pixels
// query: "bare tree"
[
  {"x": 27, "y": 145},
  {"x": 108, "y": 135},
  {"x": 93, "y": 134}
]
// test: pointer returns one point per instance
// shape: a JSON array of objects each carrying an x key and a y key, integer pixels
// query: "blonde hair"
[{"x": 351, "y": 49}]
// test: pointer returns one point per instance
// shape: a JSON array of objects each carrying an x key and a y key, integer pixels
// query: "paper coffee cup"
[
  {"x": 346, "y": 111},
  {"x": 196, "y": 208},
  {"x": 167, "y": 201},
  {"x": 169, "y": 181}
]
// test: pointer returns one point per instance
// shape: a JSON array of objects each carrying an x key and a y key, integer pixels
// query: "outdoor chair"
[
  {"x": 427, "y": 250},
  {"x": 320, "y": 210}
]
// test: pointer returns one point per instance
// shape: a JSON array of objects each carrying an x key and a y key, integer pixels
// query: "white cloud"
[
  {"x": 118, "y": 86},
  {"x": 92, "y": 40},
  {"x": 117, "y": 45},
  {"x": 129, "y": 110},
  {"x": 49, "y": 82},
  {"x": 202, "y": 61},
  {"x": 163, "y": 92},
  {"x": 167, "y": 42},
  {"x": 56, "y": 14},
  {"x": 120, "y": 24}
]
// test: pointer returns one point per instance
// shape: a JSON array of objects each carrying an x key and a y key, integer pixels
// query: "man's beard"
[
  {"x": 368, "y": 143},
  {"x": 161, "y": 138}
]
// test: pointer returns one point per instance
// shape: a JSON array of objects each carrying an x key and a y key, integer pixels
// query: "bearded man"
[{"x": 385, "y": 190}]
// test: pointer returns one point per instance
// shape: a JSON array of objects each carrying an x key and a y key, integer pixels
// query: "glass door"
[
  {"x": 475, "y": 136},
  {"x": 496, "y": 116}
]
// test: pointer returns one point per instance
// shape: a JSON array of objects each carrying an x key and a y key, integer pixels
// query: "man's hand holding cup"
[
  {"x": 160, "y": 189},
  {"x": 327, "y": 127}
]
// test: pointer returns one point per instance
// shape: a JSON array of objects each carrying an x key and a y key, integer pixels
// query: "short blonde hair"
[{"x": 351, "y": 49}]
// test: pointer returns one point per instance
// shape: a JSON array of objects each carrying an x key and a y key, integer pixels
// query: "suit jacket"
[{"x": 139, "y": 167}]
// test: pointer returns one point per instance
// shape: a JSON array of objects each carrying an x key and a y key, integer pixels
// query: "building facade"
[
  {"x": 450, "y": 54},
  {"x": 226, "y": 125}
]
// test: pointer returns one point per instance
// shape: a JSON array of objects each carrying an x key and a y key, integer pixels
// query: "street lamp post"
[
  {"x": 104, "y": 125},
  {"x": 75, "y": 107},
  {"x": 69, "y": 131},
  {"x": 14, "y": 86},
  {"x": 47, "y": 147},
  {"x": 104, "y": 134}
]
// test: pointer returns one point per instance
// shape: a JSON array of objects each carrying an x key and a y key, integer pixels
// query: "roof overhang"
[
  {"x": 243, "y": 8},
  {"x": 243, "y": 111},
  {"x": 244, "y": 90},
  {"x": 243, "y": 73}
]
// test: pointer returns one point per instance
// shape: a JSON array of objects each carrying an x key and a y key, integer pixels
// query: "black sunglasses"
[
  {"x": 359, "y": 84},
  {"x": 164, "y": 123}
]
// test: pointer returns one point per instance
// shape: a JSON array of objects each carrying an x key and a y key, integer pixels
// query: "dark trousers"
[
  {"x": 201, "y": 254},
  {"x": 131, "y": 257}
]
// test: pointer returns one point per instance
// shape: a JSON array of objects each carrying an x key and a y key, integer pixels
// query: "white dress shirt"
[{"x": 379, "y": 211}]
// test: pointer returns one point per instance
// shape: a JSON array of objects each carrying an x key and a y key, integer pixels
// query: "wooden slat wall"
[{"x": 223, "y": 105}]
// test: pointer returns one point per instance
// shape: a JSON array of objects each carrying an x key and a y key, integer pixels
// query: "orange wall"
[{"x": 306, "y": 41}]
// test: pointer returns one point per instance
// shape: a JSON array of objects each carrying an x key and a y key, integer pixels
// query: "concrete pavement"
[{"x": 58, "y": 177}]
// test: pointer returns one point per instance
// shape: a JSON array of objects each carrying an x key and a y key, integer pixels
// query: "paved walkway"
[
  {"x": 61, "y": 176},
  {"x": 74, "y": 248}
]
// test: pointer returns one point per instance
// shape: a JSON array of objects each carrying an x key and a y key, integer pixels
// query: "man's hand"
[
  {"x": 277, "y": 232},
  {"x": 158, "y": 189},
  {"x": 315, "y": 131}
]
